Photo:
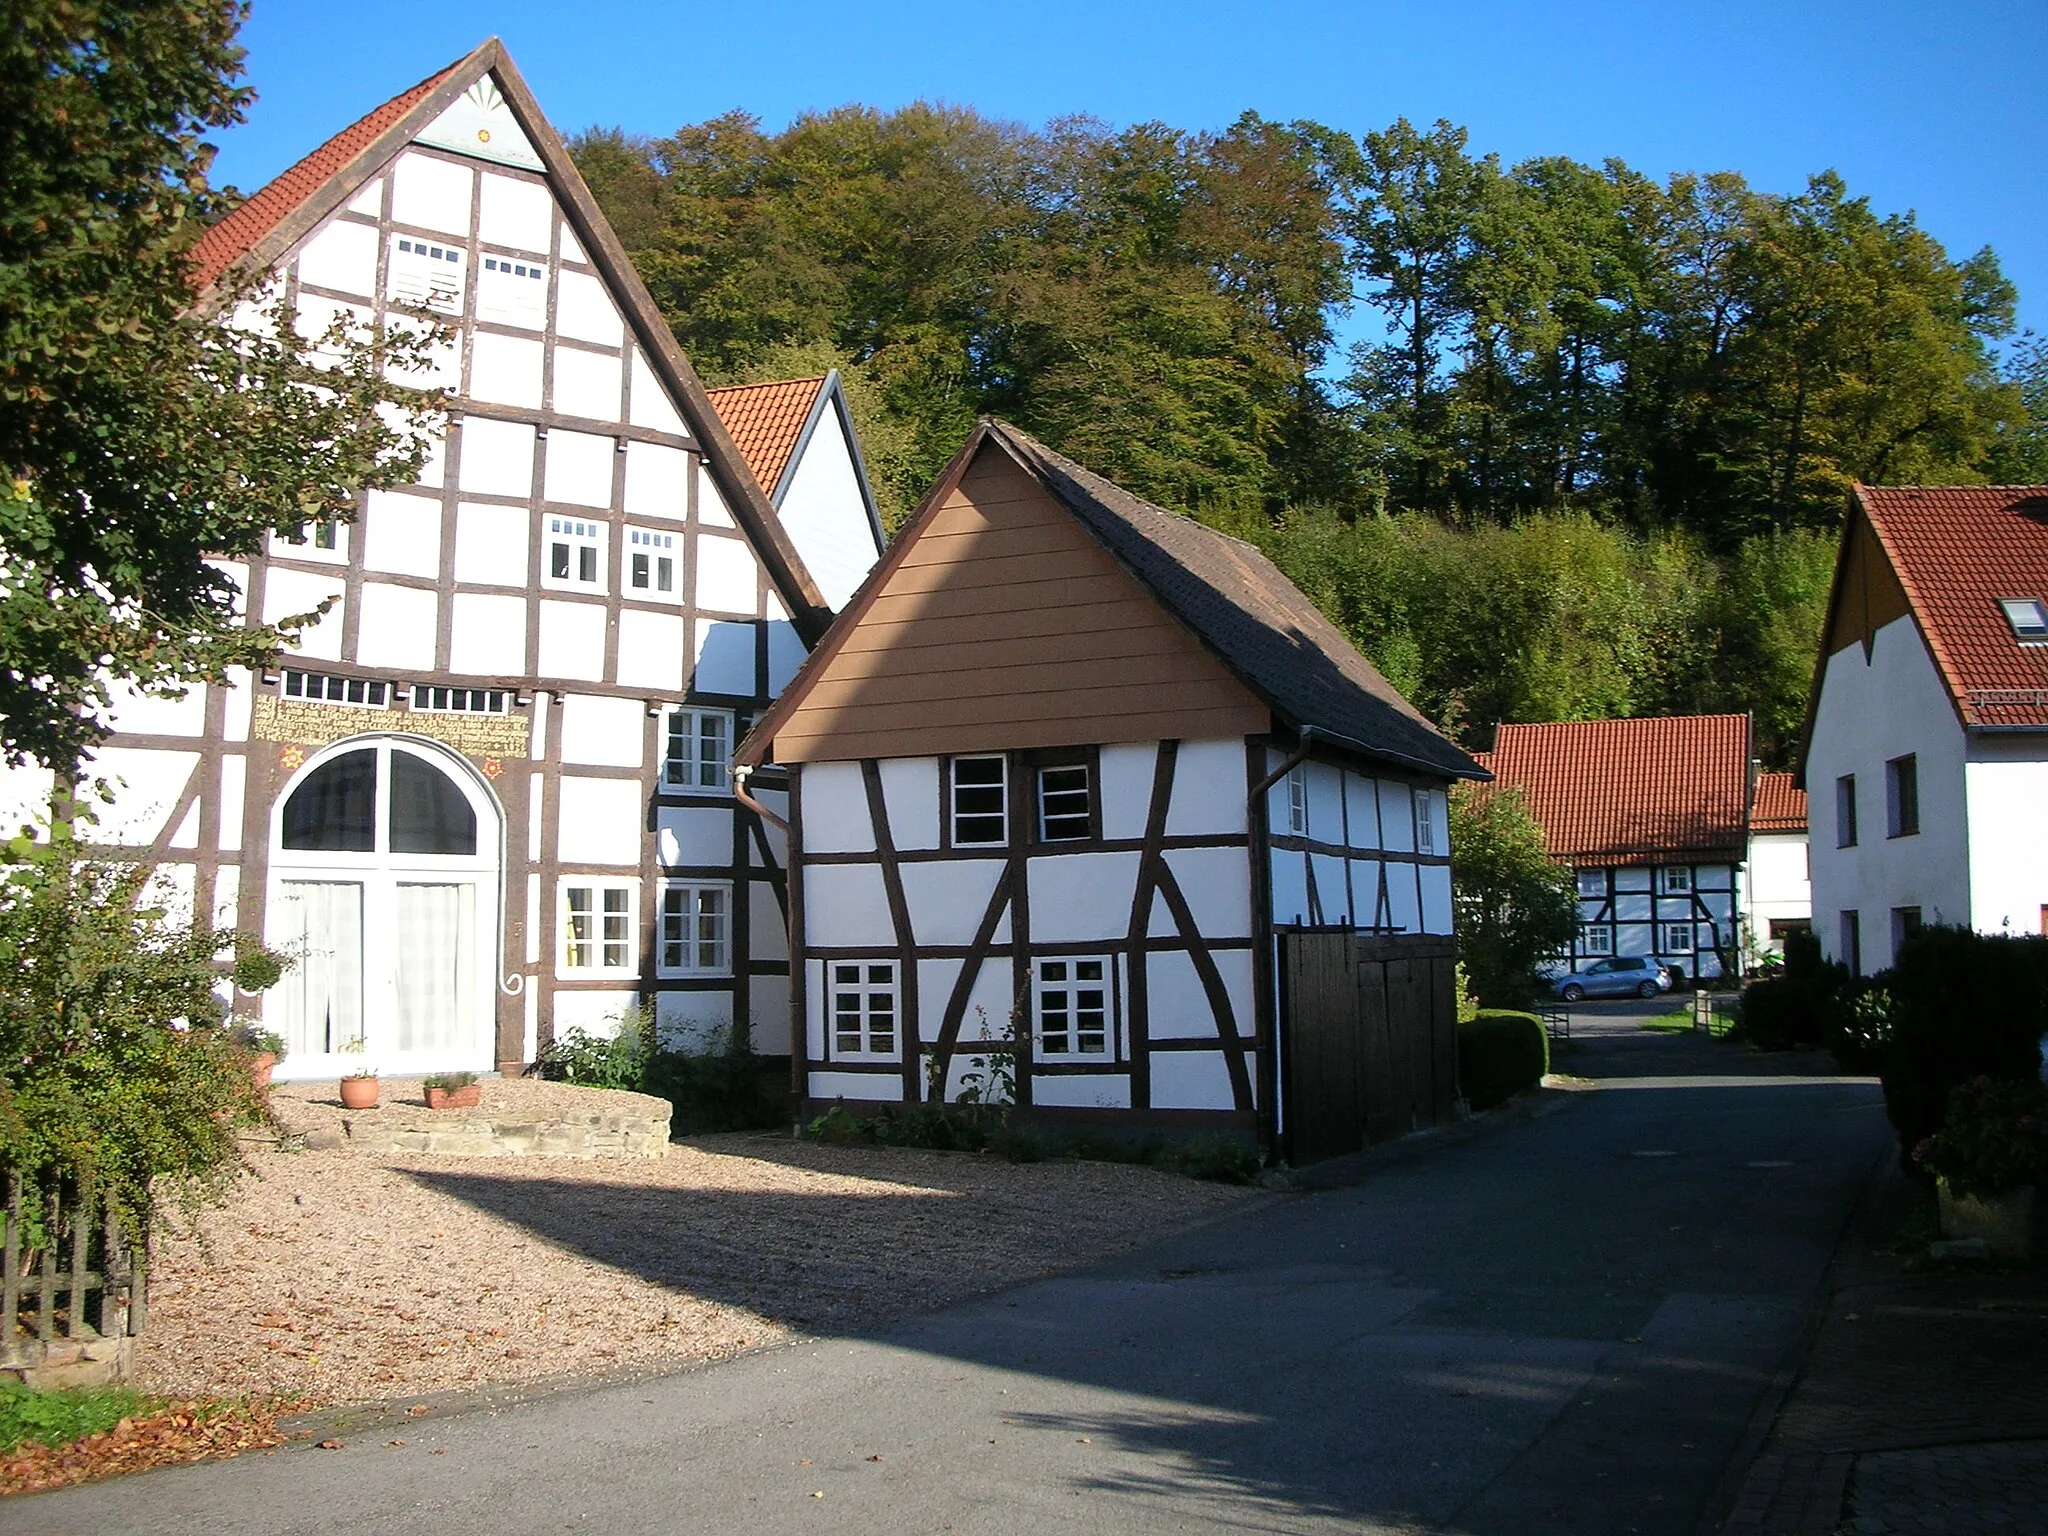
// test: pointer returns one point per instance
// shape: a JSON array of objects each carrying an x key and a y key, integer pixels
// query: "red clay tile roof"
[
  {"x": 765, "y": 421},
  {"x": 1780, "y": 805},
  {"x": 236, "y": 235},
  {"x": 1957, "y": 550},
  {"x": 1623, "y": 791}
]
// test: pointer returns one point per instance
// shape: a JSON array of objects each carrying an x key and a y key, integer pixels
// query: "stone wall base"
[{"x": 61, "y": 1364}]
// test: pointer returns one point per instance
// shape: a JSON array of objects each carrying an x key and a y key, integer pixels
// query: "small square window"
[
  {"x": 651, "y": 564},
  {"x": 2028, "y": 617},
  {"x": 1676, "y": 879},
  {"x": 1596, "y": 939},
  {"x": 597, "y": 928},
  {"x": 695, "y": 930},
  {"x": 1064, "y": 803},
  {"x": 698, "y": 754},
  {"x": 1678, "y": 939},
  {"x": 1592, "y": 882},
  {"x": 575, "y": 554},
  {"x": 1073, "y": 1011},
  {"x": 981, "y": 801},
  {"x": 865, "y": 1013}
]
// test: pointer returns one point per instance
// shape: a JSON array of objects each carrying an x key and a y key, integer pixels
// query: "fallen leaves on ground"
[{"x": 165, "y": 1436}]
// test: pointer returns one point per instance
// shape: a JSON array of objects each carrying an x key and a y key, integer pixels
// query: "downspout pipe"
[
  {"x": 1307, "y": 738},
  {"x": 739, "y": 791}
]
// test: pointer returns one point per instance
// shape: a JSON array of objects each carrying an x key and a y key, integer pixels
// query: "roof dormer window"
[{"x": 2028, "y": 617}]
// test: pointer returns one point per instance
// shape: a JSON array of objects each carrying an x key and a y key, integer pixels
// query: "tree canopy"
[{"x": 138, "y": 438}]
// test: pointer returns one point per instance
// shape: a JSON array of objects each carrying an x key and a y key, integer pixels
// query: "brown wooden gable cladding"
[
  {"x": 1004, "y": 624},
  {"x": 1870, "y": 595}
]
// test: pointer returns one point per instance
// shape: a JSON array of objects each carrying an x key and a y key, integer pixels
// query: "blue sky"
[{"x": 1938, "y": 108}]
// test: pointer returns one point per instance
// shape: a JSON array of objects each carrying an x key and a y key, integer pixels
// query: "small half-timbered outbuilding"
[{"x": 1060, "y": 778}]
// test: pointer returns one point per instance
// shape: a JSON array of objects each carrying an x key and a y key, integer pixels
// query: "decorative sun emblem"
[
  {"x": 483, "y": 135},
  {"x": 492, "y": 767},
  {"x": 291, "y": 757}
]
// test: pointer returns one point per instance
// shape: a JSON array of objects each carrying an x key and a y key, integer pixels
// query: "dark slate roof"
[{"x": 1250, "y": 616}]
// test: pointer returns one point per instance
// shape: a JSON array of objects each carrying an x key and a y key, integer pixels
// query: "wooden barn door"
[{"x": 1370, "y": 1044}]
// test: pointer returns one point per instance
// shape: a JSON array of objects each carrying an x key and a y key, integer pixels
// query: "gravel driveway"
[{"x": 340, "y": 1277}]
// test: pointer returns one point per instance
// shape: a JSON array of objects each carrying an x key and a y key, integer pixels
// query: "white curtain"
[
  {"x": 321, "y": 927},
  {"x": 436, "y": 938}
]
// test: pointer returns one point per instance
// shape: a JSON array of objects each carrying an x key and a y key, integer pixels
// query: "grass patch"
[
  {"x": 1679, "y": 1021},
  {"x": 58, "y": 1418}
]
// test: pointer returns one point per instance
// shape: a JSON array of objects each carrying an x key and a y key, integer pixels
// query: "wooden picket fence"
[{"x": 83, "y": 1283}]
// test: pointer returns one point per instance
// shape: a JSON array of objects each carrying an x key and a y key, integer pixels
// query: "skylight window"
[{"x": 2028, "y": 617}]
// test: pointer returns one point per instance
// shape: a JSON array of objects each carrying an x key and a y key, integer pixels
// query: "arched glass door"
[{"x": 384, "y": 890}]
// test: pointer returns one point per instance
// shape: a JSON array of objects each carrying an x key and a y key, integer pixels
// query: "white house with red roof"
[
  {"x": 1652, "y": 816},
  {"x": 1926, "y": 745},
  {"x": 486, "y": 798},
  {"x": 1777, "y": 884}
]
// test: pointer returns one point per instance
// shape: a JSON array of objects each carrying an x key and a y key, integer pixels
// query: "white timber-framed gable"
[{"x": 455, "y": 632}]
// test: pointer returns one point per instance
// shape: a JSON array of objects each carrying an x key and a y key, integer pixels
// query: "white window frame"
[
  {"x": 581, "y": 535},
  {"x": 654, "y": 545},
  {"x": 1068, "y": 983},
  {"x": 954, "y": 814},
  {"x": 1596, "y": 939},
  {"x": 428, "y": 273},
  {"x": 1592, "y": 883},
  {"x": 1297, "y": 800},
  {"x": 601, "y": 942},
  {"x": 688, "y": 945},
  {"x": 1666, "y": 932},
  {"x": 1675, "y": 880},
  {"x": 438, "y": 699},
  {"x": 1425, "y": 822},
  {"x": 698, "y": 777},
  {"x": 1041, "y": 794},
  {"x": 867, "y": 989},
  {"x": 310, "y": 687},
  {"x": 307, "y": 545},
  {"x": 510, "y": 290}
]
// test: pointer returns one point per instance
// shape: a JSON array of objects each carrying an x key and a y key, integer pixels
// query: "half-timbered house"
[
  {"x": 1652, "y": 816},
  {"x": 486, "y": 797},
  {"x": 1059, "y": 775}
]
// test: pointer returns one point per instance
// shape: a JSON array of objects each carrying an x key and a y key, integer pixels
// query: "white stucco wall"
[
  {"x": 826, "y": 515},
  {"x": 2007, "y": 781},
  {"x": 1775, "y": 886},
  {"x": 1869, "y": 713}
]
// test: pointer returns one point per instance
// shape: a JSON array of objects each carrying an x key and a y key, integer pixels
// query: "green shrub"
[
  {"x": 1858, "y": 1022},
  {"x": 1783, "y": 1013},
  {"x": 1500, "y": 1053},
  {"x": 1993, "y": 1138},
  {"x": 721, "y": 1090},
  {"x": 1964, "y": 1005},
  {"x": 599, "y": 1061}
]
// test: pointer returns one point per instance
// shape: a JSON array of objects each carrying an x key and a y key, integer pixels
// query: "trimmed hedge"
[
  {"x": 1500, "y": 1053},
  {"x": 1782, "y": 1013}
]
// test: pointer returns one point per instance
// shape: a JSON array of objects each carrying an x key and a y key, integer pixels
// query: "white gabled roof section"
[
  {"x": 826, "y": 504},
  {"x": 479, "y": 122}
]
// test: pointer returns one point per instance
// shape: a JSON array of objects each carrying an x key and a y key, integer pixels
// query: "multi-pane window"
[
  {"x": 698, "y": 754},
  {"x": 1678, "y": 939},
  {"x": 461, "y": 701},
  {"x": 1425, "y": 821},
  {"x": 1592, "y": 882},
  {"x": 695, "y": 930},
  {"x": 864, "y": 1010},
  {"x": 326, "y": 688},
  {"x": 1297, "y": 800},
  {"x": 1596, "y": 939},
  {"x": 513, "y": 292},
  {"x": 1676, "y": 878},
  {"x": 981, "y": 801},
  {"x": 1902, "y": 796},
  {"x": 575, "y": 553},
  {"x": 651, "y": 563},
  {"x": 1063, "y": 803},
  {"x": 1071, "y": 1010},
  {"x": 597, "y": 926},
  {"x": 1845, "y": 811},
  {"x": 428, "y": 273}
]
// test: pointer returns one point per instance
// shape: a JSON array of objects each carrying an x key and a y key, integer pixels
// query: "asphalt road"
[{"x": 1563, "y": 1324}]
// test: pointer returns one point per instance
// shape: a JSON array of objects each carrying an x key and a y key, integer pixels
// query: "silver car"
[{"x": 1618, "y": 976}]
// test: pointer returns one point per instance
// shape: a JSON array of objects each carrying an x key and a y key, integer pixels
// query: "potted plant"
[
  {"x": 264, "y": 1047},
  {"x": 454, "y": 1090},
  {"x": 1991, "y": 1151},
  {"x": 358, "y": 1088}
]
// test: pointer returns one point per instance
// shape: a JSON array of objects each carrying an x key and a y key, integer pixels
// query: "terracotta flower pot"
[
  {"x": 359, "y": 1092},
  {"x": 260, "y": 1068},
  {"x": 2005, "y": 1221},
  {"x": 466, "y": 1097}
]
